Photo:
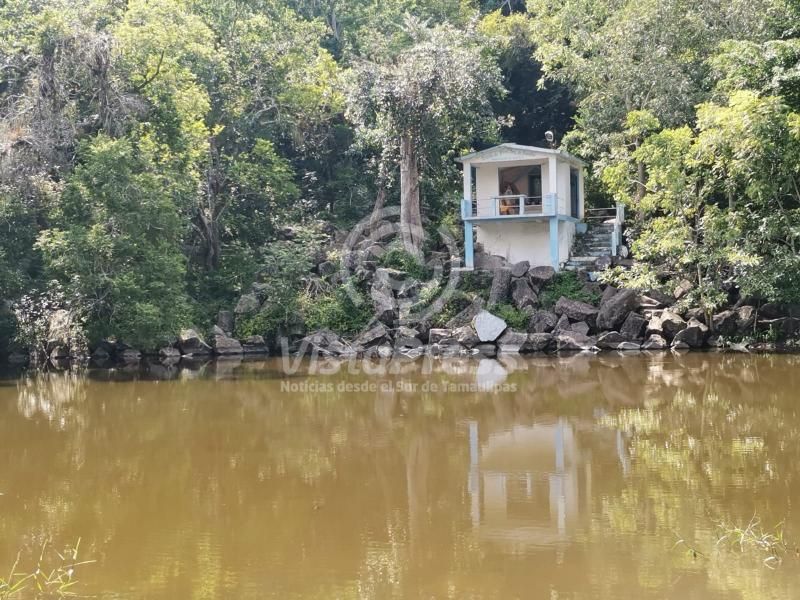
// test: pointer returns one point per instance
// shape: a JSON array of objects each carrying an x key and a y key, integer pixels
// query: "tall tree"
[{"x": 429, "y": 100}]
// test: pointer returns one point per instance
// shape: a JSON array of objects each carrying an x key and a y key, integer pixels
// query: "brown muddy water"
[{"x": 572, "y": 478}]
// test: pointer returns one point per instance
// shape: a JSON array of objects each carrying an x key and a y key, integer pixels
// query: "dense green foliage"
[
  {"x": 514, "y": 317},
  {"x": 398, "y": 258},
  {"x": 568, "y": 285},
  {"x": 344, "y": 310},
  {"x": 158, "y": 158}
]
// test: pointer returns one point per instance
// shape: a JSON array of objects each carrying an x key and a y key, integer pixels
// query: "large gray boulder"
[
  {"x": 667, "y": 325},
  {"x": 248, "y": 304},
  {"x": 520, "y": 269},
  {"x": 487, "y": 326},
  {"x": 542, "y": 321},
  {"x": 610, "y": 340},
  {"x": 512, "y": 341},
  {"x": 655, "y": 342},
  {"x": 190, "y": 343},
  {"x": 225, "y": 321},
  {"x": 538, "y": 342},
  {"x": 725, "y": 323},
  {"x": 661, "y": 298},
  {"x": 607, "y": 294},
  {"x": 633, "y": 326},
  {"x": 671, "y": 324},
  {"x": 373, "y": 336},
  {"x": 466, "y": 336},
  {"x": 573, "y": 342},
  {"x": 541, "y": 276},
  {"x": 407, "y": 337},
  {"x": 501, "y": 283},
  {"x": 562, "y": 324},
  {"x": 694, "y": 335},
  {"x": 254, "y": 344},
  {"x": 489, "y": 262},
  {"x": 581, "y": 327},
  {"x": 522, "y": 293},
  {"x": 616, "y": 309},
  {"x": 384, "y": 304},
  {"x": 576, "y": 310},
  {"x": 223, "y": 344}
]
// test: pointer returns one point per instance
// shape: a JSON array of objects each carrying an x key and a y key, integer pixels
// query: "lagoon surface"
[{"x": 557, "y": 478}]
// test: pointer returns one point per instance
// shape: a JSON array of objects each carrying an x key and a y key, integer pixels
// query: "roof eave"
[{"x": 532, "y": 150}]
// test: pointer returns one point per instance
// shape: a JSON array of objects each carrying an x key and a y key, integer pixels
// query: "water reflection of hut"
[{"x": 526, "y": 483}]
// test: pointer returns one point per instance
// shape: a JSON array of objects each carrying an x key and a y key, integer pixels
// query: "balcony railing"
[{"x": 517, "y": 205}]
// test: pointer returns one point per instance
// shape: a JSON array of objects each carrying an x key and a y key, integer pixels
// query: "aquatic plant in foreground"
[{"x": 53, "y": 577}]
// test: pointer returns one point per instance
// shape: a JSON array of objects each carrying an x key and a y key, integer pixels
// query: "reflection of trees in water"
[
  {"x": 52, "y": 395},
  {"x": 717, "y": 439},
  {"x": 176, "y": 481}
]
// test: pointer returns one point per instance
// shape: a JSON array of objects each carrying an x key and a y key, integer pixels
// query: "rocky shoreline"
[{"x": 623, "y": 321}]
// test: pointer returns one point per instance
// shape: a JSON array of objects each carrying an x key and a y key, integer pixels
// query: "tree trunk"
[
  {"x": 380, "y": 202},
  {"x": 410, "y": 216}
]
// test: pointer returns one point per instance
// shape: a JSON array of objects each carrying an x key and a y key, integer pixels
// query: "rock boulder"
[
  {"x": 576, "y": 310},
  {"x": 616, "y": 309},
  {"x": 542, "y": 321},
  {"x": 501, "y": 284},
  {"x": 540, "y": 276},
  {"x": 512, "y": 341},
  {"x": 522, "y": 293},
  {"x": 487, "y": 326},
  {"x": 520, "y": 269},
  {"x": 190, "y": 343},
  {"x": 633, "y": 326},
  {"x": 694, "y": 335}
]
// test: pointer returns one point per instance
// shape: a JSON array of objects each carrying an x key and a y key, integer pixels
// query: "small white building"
[{"x": 523, "y": 203}]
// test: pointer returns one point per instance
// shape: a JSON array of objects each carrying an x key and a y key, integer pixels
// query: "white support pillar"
[
  {"x": 552, "y": 179},
  {"x": 468, "y": 182},
  {"x": 466, "y": 210},
  {"x": 581, "y": 197}
]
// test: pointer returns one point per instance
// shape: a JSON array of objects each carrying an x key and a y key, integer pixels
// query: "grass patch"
[
  {"x": 342, "y": 310},
  {"x": 568, "y": 285},
  {"x": 515, "y": 318},
  {"x": 402, "y": 260}
]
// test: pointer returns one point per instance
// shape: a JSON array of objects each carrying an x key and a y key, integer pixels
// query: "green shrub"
[
  {"x": 569, "y": 285},
  {"x": 398, "y": 258},
  {"x": 476, "y": 282},
  {"x": 337, "y": 310},
  {"x": 515, "y": 318},
  {"x": 273, "y": 320}
]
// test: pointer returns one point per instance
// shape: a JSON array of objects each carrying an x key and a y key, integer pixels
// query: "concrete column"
[
  {"x": 469, "y": 251},
  {"x": 580, "y": 193},
  {"x": 467, "y": 182},
  {"x": 552, "y": 179},
  {"x": 554, "y": 242}
]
